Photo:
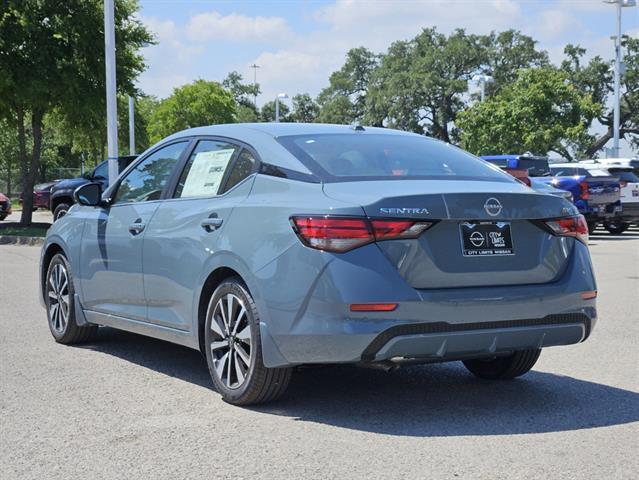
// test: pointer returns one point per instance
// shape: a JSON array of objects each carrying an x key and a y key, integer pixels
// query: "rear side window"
[
  {"x": 203, "y": 174},
  {"x": 355, "y": 156},
  {"x": 242, "y": 168}
]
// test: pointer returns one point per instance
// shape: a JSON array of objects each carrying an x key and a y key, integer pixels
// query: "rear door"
[
  {"x": 191, "y": 226},
  {"x": 112, "y": 243}
]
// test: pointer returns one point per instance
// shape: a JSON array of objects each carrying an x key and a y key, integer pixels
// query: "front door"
[
  {"x": 192, "y": 226},
  {"x": 112, "y": 243}
]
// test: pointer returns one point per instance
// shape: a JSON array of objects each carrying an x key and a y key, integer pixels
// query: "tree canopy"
[
  {"x": 541, "y": 111},
  {"x": 193, "y": 105},
  {"x": 52, "y": 58}
]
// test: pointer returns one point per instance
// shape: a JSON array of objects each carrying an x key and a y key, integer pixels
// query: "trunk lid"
[{"x": 437, "y": 259}]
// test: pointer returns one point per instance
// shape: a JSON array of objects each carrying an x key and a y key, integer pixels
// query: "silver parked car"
[{"x": 268, "y": 246}]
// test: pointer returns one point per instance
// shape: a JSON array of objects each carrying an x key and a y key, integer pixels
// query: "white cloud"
[
  {"x": 306, "y": 63},
  {"x": 555, "y": 23},
  {"x": 240, "y": 28}
]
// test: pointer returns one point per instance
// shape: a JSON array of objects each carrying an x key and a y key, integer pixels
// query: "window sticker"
[{"x": 206, "y": 173}]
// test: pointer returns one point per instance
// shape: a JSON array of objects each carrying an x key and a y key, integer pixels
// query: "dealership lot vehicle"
[
  {"x": 596, "y": 193},
  {"x": 5, "y": 206},
  {"x": 61, "y": 194},
  {"x": 629, "y": 191},
  {"x": 269, "y": 246},
  {"x": 41, "y": 195}
]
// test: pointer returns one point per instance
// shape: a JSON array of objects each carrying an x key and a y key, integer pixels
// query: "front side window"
[
  {"x": 351, "y": 157},
  {"x": 148, "y": 179},
  {"x": 204, "y": 172}
]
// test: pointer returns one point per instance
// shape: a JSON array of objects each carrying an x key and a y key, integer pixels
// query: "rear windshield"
[
  {"x": 537, "y": 167},
  {"x": 351, "y": 157},
  {"x": 625, "y": 175}
]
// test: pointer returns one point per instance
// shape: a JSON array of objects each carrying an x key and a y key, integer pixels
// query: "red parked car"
[
  {"x": 41, "y": 194},
  {"x": 5, "y": 206}
]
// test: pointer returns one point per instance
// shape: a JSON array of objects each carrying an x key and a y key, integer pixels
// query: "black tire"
[
  {"x": 60, "y": 211},
  {"x": 259, "y": 383},
  {"x": 503, "y": 368},
  {"x": 616, "y": 228},
  {"x": 591, "y": 227},
  {"x": 65, "y": 331},
  {"x": 2, "y": 217}
]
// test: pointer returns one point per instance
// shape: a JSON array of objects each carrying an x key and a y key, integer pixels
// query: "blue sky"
[{"x": 299, "y": 43}]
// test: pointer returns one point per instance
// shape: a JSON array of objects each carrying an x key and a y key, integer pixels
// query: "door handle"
[
  {"x": 211, "y": 223},
  {"x": 137, "y": 227}
]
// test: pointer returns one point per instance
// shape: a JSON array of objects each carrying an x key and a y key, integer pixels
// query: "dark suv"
[{"x": 62, "y": 192}]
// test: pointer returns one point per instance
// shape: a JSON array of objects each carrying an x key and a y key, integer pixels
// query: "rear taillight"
[
  {"x": 584, "y": 190},
  {"x": 340, "y": 234},
  {"x": 570, "y": 227}
]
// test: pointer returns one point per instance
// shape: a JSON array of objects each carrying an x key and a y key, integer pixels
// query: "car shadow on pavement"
[{"x": 426, "y": 401}]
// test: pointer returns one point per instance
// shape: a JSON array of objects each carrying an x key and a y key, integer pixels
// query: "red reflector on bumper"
[
  {"x": 589, "y": 295},
  {"x": 373, "y": 307}
]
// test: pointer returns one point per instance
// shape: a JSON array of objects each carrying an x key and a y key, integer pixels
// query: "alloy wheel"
[
  {"x": 231, "y": 341},
  {"x": 58, "y": 293}
]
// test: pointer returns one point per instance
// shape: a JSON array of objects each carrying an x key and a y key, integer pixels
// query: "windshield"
[{"x": 351, "y": 157}]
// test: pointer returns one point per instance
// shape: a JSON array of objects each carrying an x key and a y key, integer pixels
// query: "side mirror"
[{"x": 89, "y": 194}]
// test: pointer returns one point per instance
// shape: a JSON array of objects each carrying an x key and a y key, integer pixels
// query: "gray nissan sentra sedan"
[{"x": 267, "y": 246}]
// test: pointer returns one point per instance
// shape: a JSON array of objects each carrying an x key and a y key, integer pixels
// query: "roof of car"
[
  {"x": 282, "y": 129},
  {"x": 513, "y": 156}
]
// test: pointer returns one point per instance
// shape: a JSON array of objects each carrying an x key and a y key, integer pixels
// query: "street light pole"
[
  {"x": 482, "y": 80},
  {"x": 277, "y": 105},
  {"x": 619, "y": 4},
  {"x": 255, "y": 66},
  {"x": 111, "y": 101},
  {"x": 617, "y": 106},
  {"x": 131, "y": 126}
]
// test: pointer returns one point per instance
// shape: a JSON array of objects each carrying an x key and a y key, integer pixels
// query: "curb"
[{"x": 20, "y": 240}]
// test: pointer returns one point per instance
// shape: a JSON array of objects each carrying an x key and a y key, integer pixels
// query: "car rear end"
[
  {"x": 596, "y": 193},
  {"x": 629, "y": 193},
  {"x": 444, "y": 263},
  {"x": 5, "y": 206}
]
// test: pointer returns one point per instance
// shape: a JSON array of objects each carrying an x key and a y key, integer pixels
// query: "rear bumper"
[
  {"x": 630, "y": 212},
  {"x": 447, "y": 342},
  {"x": 309, "y": 321},
  {"x": 599, "y": 212}
]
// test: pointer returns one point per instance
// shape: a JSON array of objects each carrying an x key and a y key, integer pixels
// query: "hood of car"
[{"x": 69, "y": 184}]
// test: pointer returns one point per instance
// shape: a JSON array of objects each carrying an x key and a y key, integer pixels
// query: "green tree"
[
  {"x": 244, "y": 95},
  {"x": 193, "y": 105},
  {"x": 267, "y": 114},
  {"x": 420, "y": 84},
  {"x": 596, "y": 78},
  {"x": 541, "y": 112},
  {"x": 344, "y": 100},
  {"x": 52, "y": 57},
  {"x": 509, "y": 52},
  {"x": 305, "y": 110}
]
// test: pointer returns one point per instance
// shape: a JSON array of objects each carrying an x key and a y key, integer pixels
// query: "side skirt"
[{"x": 156, "y": 331}]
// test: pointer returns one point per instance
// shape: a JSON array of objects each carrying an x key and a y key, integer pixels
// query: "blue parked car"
[
  {"x": 267, "y": 246},
  {"x": 535, "y": 165}
]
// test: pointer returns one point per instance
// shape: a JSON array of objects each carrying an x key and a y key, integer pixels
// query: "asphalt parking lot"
[{"x": 131, "y": 407}]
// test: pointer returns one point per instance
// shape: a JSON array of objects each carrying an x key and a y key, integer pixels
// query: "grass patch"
[
  {"x": 17, "y": 230},
  {"x": 15, "y": 205}
]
